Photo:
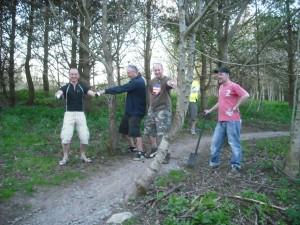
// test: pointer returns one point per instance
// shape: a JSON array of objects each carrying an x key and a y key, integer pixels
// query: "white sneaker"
[
  {"x": 85, "y": 159},
  {"x": 193, "y": 132},
  {"x": 63, "y": 162}
]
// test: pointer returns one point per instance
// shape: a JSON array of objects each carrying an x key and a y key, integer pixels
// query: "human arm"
[
  {"x": 172, "y": 83},
  {"x": 95, "y": 93},
  {"x": 241, "y": 100},
  {"x": 59, "y": 94},
  {"x": 207, "y": 111},
  {"x": 130, "y": 86}
]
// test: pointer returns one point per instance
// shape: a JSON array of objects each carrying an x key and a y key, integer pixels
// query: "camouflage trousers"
[{"x": 157, "y": 123}]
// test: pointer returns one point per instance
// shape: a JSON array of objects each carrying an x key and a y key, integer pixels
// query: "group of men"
[
  {"x": 157, "y": 122},
  {"x": 159, "y": 114}
]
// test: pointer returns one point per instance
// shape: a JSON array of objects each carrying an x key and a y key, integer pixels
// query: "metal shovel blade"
[{"x": 192, "y": 161}]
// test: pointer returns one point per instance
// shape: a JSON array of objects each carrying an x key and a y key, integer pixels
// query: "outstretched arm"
[
  {"x": 207, "y": 111},
  {"x": 59, "y": 94},
  {"x": 94, "y": 93}
]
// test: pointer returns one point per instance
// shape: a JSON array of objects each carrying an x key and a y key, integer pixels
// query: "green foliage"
[
  {"x": 294, "y": 215},
  {"x": 131, "y": 221},
  {"x": 276, "y": 112},
  {"x": 177, "y": 205},
  {"x": 174, "y": 176}
]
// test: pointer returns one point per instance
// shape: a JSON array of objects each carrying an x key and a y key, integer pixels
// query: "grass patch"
[{"x": 174, "y": 176}]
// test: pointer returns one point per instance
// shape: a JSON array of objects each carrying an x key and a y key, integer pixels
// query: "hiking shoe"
[
  {"x": 153, "y": 152},
  {"x": 167, "y": 159},
  {"x": 85, "y": 159},
  {"x": 193, "y": 132},
  {"x": 132, "y": 149},
  {"x": 139, "y": 156},
  {"x": 63, "y": 162}
]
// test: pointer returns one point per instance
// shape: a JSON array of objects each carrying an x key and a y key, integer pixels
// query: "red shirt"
[{"x": 229, "y": 94}]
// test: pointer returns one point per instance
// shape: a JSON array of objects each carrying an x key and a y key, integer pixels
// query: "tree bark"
[
  {"x": 85, "y": 26},
  {"x": 147, "y": 48},
  {"x": 108, "y": 58},
  {"x": 186, "y": 66},
  {"x": 2, "y": 60},
  {"x": 74, "y": 37},
  {"x": 291, "y": 55},
  {"x": 31, "y": 93},
  {"x": 11, "y": 72},
  {"x": 292, "y": 162},
  {"x": 46, "y": 48}
]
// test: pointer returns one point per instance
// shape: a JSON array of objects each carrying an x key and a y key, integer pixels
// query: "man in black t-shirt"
[{"x": 74, "y": 93}]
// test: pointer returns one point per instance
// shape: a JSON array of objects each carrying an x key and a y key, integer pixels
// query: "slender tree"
[
  {"x": 46, "y": 47},
  {"x": 11, "y": 72},
  {"x": 31, "y": 94}
]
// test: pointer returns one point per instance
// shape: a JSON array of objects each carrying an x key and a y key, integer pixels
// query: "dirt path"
[{"x": 91, "y": 200}]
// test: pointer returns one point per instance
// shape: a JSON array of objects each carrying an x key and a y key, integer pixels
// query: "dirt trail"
[{"x": 91, "y": 200}]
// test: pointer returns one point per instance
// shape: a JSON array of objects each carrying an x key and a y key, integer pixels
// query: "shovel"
[{"x": 193, "y": 158}]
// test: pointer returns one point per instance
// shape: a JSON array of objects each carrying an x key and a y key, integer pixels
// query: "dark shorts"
[
  {"x": 193, "y": 111},
  {"x": 130, "y": 125}
]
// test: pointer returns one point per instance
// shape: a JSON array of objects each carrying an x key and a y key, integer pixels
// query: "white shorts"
[{"x": 72, "y": 119}]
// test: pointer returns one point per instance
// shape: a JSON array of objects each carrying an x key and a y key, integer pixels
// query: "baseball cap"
[{"x": 224, "y": 70}]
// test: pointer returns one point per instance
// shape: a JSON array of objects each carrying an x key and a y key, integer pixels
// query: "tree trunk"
[
  {"x": 106, "y": 46},
  {"x": 11, "y": 72},
  {"x": 31, "y": 96},
  {"x": 292, "y": 162},
  {"x": 2, "y": 60},
  {"x": 203, "y": 87},
  {"x": 74, "y": 37},
  {"x": 84, "y": 67},
  {"x": 291, "y": 55},
  {"x": 84, "y": 49},
  {"x": 46, "y": 48},
  {"x": 186, "y": 52},
  {"x": 147, "y": 49}
]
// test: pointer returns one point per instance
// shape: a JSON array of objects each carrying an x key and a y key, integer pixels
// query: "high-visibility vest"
[{"x": 195, "y": 88}]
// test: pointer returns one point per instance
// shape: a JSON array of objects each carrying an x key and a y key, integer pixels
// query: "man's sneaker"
[
  {"x": 139, "y": 156},
  {"x": 85, "y": 159},
  {"x": 132, "y": 149},
  {"x": 153, "y": 152},
  {"x": 63, "y": 162},
  {"x": 167, "y": 158},
  {"x": 193, "y": 132}
]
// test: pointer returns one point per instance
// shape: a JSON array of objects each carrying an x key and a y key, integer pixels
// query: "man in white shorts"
[{"x": 74, "y": 93}]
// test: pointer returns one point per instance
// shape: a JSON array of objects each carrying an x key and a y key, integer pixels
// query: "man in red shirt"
[{"x": 231, "y": 95}]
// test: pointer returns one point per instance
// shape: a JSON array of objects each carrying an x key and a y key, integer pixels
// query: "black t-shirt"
[{"x": 74, "y": 96}]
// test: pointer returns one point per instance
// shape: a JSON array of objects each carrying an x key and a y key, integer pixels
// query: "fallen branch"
[
  {"x": 256, "y": 201},
  {"x": 153, "y": 200}
]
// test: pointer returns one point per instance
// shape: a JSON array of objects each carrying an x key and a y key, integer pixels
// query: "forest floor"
[{"x": 93, "y": 199}]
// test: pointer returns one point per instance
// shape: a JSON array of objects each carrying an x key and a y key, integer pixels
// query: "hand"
[
  {"x": 58, "y": 96},
  {"x": 100, "y": 92},
  {"x": 172, "y": 83},
  {"x": 206, "y": 112}
]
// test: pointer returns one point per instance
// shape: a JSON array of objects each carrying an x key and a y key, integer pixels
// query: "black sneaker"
[
  {"x": 139, "y": 156},
  {"x": 132, "y": 149},
  {"x": 167, "y": 158}
]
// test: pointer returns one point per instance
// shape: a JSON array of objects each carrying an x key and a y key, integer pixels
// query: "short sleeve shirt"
[
  {"x": 74, "y": 96},
  {"x": 229, "y": 94},
  {"x": 159, "y": 93}
]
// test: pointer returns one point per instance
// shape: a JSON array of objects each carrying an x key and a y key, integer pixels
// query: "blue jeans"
[{"x": 233, "y": 130}]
